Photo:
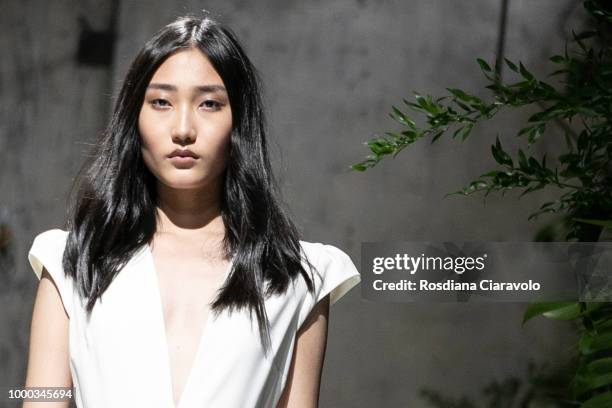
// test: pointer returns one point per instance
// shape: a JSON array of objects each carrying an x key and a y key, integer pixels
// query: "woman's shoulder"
[
  {"x": 323, "y": 253},
  {"x": 51, "y": 234},
  {"x": 332, "y": 267},
  {"x": 50, "y": 240},
  {"x": 334, "y": 274},
  {"x": 46, "y": 252}
]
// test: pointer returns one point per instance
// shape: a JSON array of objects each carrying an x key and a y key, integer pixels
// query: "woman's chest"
[
  {"x": 132, "y": 331},
  {"x": 187, "y": 283}
]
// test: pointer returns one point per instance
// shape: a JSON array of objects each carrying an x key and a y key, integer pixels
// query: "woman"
[{"x": 180, "y": 282}]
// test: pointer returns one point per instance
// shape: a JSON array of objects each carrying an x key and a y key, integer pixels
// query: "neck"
[{"x": 189, "y": 212}]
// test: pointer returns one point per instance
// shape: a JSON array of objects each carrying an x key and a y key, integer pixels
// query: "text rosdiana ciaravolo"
[
  {"x": 451, "y": 285},
  {"x": 435, "y": 265}
]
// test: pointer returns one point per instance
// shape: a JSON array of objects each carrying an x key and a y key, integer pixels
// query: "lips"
[{"x": 186, "y": 153}]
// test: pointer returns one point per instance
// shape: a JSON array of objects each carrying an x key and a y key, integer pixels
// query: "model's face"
[{"x": 186, "y": 108}]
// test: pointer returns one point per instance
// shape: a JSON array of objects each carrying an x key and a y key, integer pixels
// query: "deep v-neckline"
[{"x": 164, "y": 336}]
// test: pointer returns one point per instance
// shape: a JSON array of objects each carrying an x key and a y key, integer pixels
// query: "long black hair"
[{"x": 113, "y": 201}]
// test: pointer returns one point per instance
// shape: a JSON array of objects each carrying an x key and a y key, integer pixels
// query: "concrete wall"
[
  {"x": 331, "y": 70},
  {"x": 51, "y": 108}
]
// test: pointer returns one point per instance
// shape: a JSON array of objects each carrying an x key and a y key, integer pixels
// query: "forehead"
[{"x": 187, "y": 67}]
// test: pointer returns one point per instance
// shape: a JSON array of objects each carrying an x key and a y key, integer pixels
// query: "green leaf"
[
  {"x": 511, "y": 65},
  {"x": 599, "y": 401},
  {"x": 380, "y": 147},
  {"x": 601, "y": 223},
  {"x": 551, "y": 92},
  {"x": 458, "y": 93},
  {"x": 530, "y": 189},
  {"x": 421, "y": 101},
  {"x": 558, "y": 72},
  {"x": 400, "y": 117},
  {"x": 523, "y": 85},
  {"x": 605, "y": 323},
  {"x": 463, "y": 105},
  {"x": 535, "y": 133},
  {"x": 523, "y": 164},
  {"x": 526, "y": 74},
  {"x": 437, "y": 135},
  {"x": 594, "y": 375},
  {"x": 568, "y": 140},
  {"x": 465, "y": 132},
  {"x": 492, "y": 173},
  {"x": 525, "y": 130},
  {"x": 495, "y": 151},
  {"x": 393, "y": 139},
  {"x": 594, "y": 306},
  {"x": 456, "y": 132},
  {"x": 590, "y": 343},
  {"x": 586, "y": 111},
  {"x": 584, "y": 35},
  {"x": 499, "y": 154},
  {"x": 533, "y": 163},
  {"x": 552, "y": 310},
  {"x": 483, "y": 65},
  {"x": 600, "y": 366},
  {"x": 557, "y": 59},
  {"x": 578, "y": 40},
  {"x": 545, "y": 115},
  {"x": 409, "y": 136},
  {"x": 590, "y": 382}
]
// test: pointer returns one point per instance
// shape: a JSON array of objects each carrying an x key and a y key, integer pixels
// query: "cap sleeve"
[
  {"x": 334, "y": 275},
  {"x": 47, "y": 251}
]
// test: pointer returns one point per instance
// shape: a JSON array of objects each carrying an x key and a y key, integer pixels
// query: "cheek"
[
  {"x": 223, "y": 134},
  {"x": 217, "y": 137},
  {"x": 147, "y": 141},
  {"x": 144, "y": 130}
]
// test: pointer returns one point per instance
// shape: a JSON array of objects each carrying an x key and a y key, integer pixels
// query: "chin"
[{"x": 186, "y": 183}]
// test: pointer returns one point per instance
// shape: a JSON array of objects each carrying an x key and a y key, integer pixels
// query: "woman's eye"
[
  {"x": 158, "y": 102},
  {"x": 211, "y": 104}
]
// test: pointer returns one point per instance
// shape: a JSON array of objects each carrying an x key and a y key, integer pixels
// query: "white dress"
[{"x": 119, "y": 357}]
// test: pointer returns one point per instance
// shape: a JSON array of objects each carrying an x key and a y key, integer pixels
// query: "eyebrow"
[{"x": 198, "y": 89}]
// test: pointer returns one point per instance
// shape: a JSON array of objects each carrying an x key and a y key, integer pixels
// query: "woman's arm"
[
  {"x": 304, "y": 378},
  {"x": 48, "y": 360}
]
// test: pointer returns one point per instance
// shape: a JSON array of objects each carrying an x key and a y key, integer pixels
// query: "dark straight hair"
[{"x": 112, "y": 211}]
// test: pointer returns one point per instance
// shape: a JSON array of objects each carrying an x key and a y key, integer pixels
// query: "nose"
[{"x": 184, "y": 131}]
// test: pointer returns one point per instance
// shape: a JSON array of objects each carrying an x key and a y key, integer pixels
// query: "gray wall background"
[{"x": 331, "y": 70}]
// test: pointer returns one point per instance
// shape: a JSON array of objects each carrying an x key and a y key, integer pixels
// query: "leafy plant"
[
  {"x": 592, "y": 381},
  {"x": 581, "y": 105},
  {"x": 583, "y": 109}
]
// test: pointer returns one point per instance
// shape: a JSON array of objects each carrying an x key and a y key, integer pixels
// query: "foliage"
[
  {"x": 581, "y": 105},
  {"x": 592, "y": 381},
  {"x": 583, "y": 108}
]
